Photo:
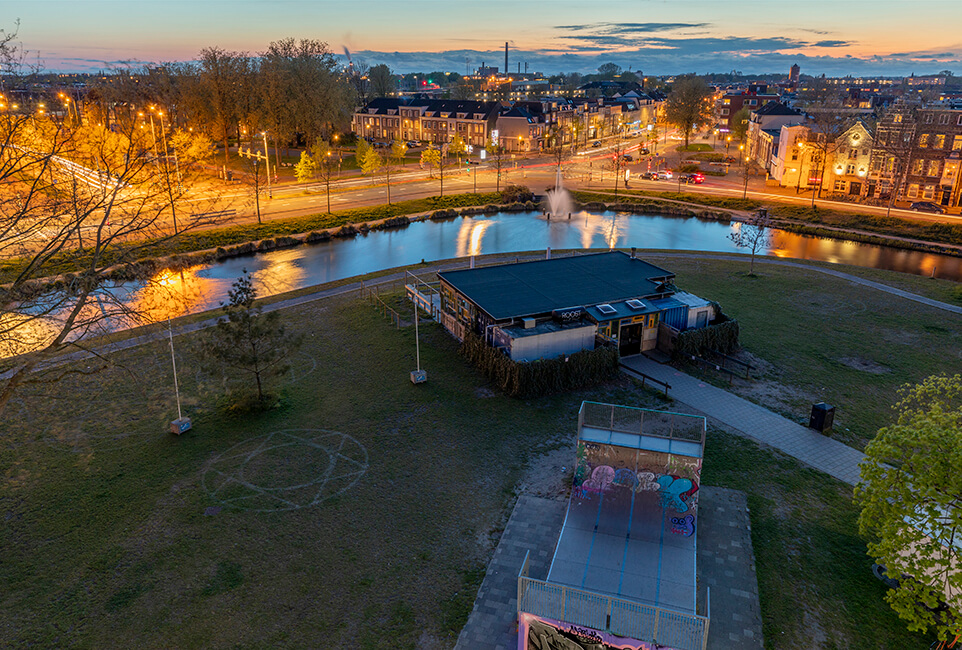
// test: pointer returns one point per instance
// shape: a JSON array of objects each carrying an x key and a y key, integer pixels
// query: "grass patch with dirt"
[{"x": 119, "y": 534}]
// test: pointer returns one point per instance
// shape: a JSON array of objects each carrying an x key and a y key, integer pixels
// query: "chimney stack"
[{"x": 505, "y": 58}]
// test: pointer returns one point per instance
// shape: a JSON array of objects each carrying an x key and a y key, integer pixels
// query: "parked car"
[
  {"x": 926, "y": 206},
  {"x": 596, "y": 143},
  {"x": 413, "y": 143}
]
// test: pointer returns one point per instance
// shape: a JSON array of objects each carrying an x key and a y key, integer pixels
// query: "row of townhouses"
[
  {"x": 913, "y": 151},
  {"x": 520, "y": 126}
]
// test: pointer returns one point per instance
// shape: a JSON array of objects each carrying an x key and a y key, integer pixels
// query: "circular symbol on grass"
[{"x": 285, "y": 470}]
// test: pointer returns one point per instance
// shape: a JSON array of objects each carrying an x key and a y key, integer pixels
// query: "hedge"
[
  {"x": 721, "y": 336},
  {"x": 544, "y": 376}
]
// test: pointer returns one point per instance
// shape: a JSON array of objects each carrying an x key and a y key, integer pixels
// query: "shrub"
[
  {"x": 516, "y": 194},
  {"x": 722, "y": 335},
  {"x": 544, "y": 376},
  {"x": 688, "y": 168}
]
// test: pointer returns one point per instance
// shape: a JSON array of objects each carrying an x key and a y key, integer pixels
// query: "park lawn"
[
  {"x": 826, "y": 339},
  {"x": 107, "y": 544}
]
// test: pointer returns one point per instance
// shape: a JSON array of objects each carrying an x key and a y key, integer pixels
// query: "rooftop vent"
[
  {"x": 635, "y": 304},
  {"x": 607, "y": 309}
]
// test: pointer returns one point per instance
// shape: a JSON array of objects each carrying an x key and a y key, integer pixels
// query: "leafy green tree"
[
  {"x": 911, "y": 499},
  {"x": 382, "y": 80},
  {"x": 305, "y": 170},
  {"x": 249, "y": 341},
  {"x": 458, "y": 147},
  {"x": 430, "y": 158},
  {"x": 395, "y": 159},
  {"x": 688, "y": 104},
  {"x": 609, "y": 70},
  {"x": 371, "y": 161},
  {"x": 740, "y": 124}
]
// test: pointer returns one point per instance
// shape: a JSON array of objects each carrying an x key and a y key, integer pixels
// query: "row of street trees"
[{"x": 293, "y": 90}]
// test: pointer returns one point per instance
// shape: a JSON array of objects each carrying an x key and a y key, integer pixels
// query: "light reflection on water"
[{"x": 205, "y": 287}]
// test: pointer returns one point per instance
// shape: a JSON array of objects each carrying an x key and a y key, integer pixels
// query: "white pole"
[
  {"x": 417, "y": 340},
  {"x": 267, "y": 161},
  {"x": 173, "y": 363}
]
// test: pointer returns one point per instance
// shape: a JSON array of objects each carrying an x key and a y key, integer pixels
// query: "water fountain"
[{"x": 559, "y": 199}]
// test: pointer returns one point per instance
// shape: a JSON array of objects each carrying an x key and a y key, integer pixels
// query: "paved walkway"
[
  {"x": 755, "y": 422},
  {"x": 726, "y": 565}
]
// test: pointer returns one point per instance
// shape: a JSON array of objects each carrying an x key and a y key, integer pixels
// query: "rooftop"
[{"x": 539, "y": 287}]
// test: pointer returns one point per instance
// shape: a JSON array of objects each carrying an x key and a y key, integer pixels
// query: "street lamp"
[{"x": 267, "y": 161}]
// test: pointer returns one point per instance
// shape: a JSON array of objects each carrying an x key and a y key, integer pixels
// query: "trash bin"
[
  {"x": 230, "y": 175},
  {"x": 822, "y": 417}
]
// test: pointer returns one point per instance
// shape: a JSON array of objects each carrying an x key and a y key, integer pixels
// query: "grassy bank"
[
  {"x": 70, "y": 261},
  {"x": 112, "y": 535}
]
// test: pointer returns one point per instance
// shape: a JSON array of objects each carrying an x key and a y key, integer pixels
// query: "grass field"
[{"x": 107, "y": 544}]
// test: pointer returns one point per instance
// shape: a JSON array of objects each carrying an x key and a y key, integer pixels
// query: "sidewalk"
[{"x": 814, "y": 449}]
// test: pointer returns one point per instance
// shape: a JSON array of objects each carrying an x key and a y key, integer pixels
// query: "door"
[{"x": 629, "y": 339}]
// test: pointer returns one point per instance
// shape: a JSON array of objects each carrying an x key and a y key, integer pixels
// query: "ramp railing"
[
  {"x": 664, "y": 626},
  {"x": 648, "y": 422}
]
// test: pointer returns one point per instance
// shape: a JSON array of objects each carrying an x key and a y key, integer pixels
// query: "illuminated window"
[
  {"x": 957, "y": 143},
  {"x": 924, "y": 140},
  {"x": 928, "y": 192},
  {"x": 913, "y": 191},
  {"x": 939, "y": 142},
  {"x": 934, "y": 168},
  {"x": 918, "y": 167}
]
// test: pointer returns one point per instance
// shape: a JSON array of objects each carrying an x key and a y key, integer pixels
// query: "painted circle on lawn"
[{"x": 285, "y": 470}]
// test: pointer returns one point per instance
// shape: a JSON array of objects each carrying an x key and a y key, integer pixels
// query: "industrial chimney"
[{"x": 506, "y": 58}]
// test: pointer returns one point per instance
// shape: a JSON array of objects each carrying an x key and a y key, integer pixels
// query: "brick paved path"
[{"x": 753, "y": 421}]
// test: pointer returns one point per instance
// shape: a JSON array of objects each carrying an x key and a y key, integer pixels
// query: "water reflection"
[{"x": 171, "y": 294}]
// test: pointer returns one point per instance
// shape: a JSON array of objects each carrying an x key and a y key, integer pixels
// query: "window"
[
  {"x": 724, "y": 111},
  {"x": 897, "y": 119},
  {"x": 928, "y": 118},
  {"x": 913, "y": 191},
  {"x": 794, "y": 155},
  {"x": 934, "y": 168},
  {"x": 939, "y": 142},
  {"x": 918, "y": 167},
  {"x": 839, "y": 186},
  {"x": 944, "y": 118},
  {"x": 850, "y": 169},
  {"x": 924, "y": 140},
  {"x": 959, "y": 121},
  {"x": 928, "y": 192},
  {"x": 957, "y": 143}
]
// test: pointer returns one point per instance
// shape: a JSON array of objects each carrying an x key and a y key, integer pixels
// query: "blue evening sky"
[{"x": 655, "y": 36}]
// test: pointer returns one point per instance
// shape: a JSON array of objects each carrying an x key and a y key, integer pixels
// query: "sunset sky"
[{"x": 655, "y": 36}]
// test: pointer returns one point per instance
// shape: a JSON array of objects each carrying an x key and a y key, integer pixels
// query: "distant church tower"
[{"x": 793, "y": 75}]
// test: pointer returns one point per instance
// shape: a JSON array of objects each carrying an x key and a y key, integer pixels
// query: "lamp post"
[
  {"x": 267, "y": 161},
  {"x": 170, "y": 192}
]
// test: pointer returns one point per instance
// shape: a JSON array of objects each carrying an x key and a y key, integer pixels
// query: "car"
[
  {"x": 926, "y": 206},
  {"x": 665, "y": 176},
  {"x": 596, "y": 143},
  {"x": 626, "y": 158},
  {"x": 644, "y": 151},
  {"x": 471, "y": 161},
  {"x": 650, "y": 176},
  {"x": 413, "y": 143},
  {"x": 694, "y": 178}
]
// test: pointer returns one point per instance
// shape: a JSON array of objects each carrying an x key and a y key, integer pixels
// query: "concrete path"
[{"x": 753, "y": 421}]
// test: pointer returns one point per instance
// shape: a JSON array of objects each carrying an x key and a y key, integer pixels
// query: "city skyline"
[{"x": 834, "y": 38}]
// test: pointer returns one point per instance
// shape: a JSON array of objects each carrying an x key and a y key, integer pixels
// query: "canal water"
[{"x": 205, "y": 286}]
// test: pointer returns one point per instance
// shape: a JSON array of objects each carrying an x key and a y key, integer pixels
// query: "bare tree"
[
  {"x": 892, "y": 149},
  {"x": 78, "y": 207},
  {"x": 829, "y": 118},
  {"x": 218, "y": 86},
  {"x": 754, "y": 234},
  {"x": 498, "y": 156}
]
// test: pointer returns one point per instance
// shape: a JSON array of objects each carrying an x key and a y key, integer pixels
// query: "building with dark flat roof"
[{"x": 550, "y": 307}]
